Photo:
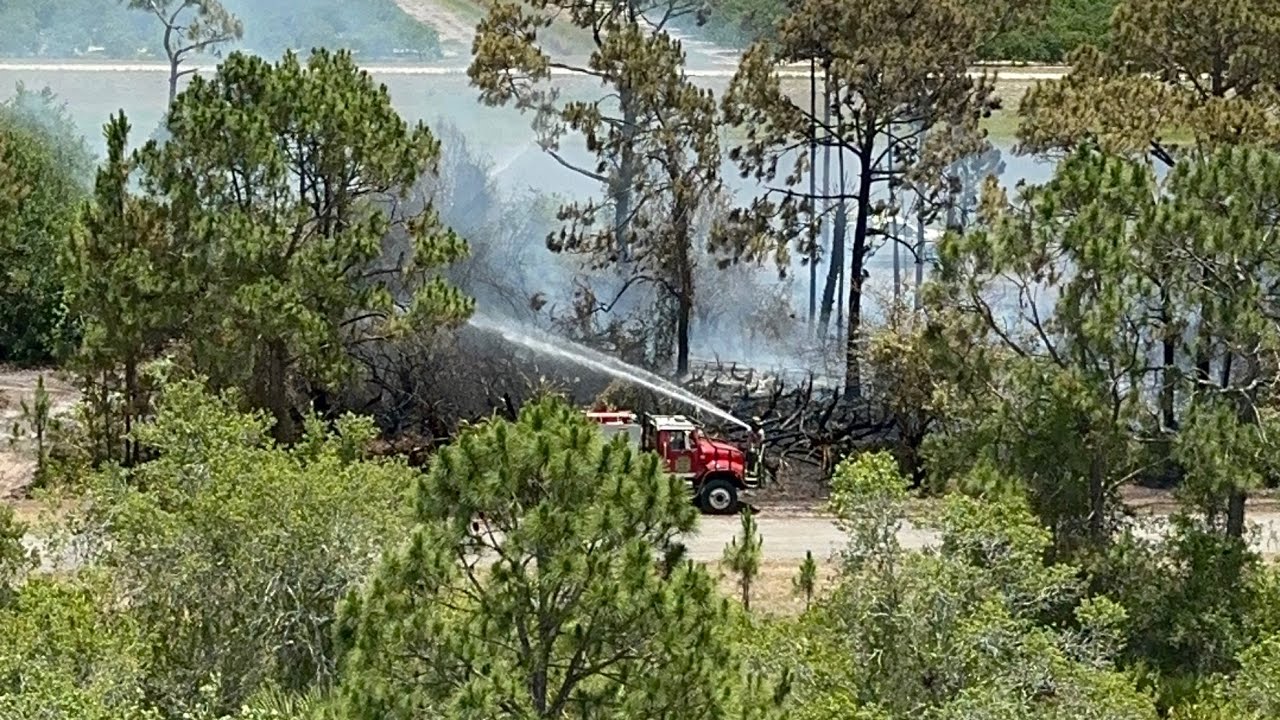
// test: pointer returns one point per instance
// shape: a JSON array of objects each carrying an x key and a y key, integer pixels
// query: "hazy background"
[{"x": 503, "y": 187}]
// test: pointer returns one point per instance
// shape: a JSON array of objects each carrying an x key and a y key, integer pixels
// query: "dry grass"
[
  {"x": 27, "y": 512},
  {"x": 773, "y": 592}
]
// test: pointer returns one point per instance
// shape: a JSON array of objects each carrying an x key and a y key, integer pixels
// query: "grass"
[
  {"x": 28, "y": 512},
  {"x": 773, "y": 592}
]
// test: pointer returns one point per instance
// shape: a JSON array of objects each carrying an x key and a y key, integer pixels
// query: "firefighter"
[{"x": 755, "y": 446}]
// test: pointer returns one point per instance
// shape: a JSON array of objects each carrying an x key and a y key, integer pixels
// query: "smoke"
[
  {"x": 501, "y": 192},
  {"x": 44, "y": 114}
]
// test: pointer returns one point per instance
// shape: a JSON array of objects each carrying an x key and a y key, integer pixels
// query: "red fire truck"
[{"x": 715, "y": 471}]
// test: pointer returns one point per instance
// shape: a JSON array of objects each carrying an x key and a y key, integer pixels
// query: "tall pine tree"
[{"x": 531, "y": 588}]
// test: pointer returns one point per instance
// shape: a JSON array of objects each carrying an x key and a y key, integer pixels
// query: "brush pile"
[{"x": 806, "y": 419}]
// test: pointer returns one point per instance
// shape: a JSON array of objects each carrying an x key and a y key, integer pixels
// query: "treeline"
[
  {"x": 1049, "y": 37},
  {"x": 110, "y": 29}
]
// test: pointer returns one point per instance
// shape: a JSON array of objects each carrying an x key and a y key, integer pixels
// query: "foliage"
[
  {"x": 123, "y": 292},
  {"x": 231, "y": 553},
  {"x": 902, "y": 383},
  {"x": 14, "y": 558},
  {"x": 980, "y": 626},
  {"x": 72, "y": 28},
  {"x": 277, "y": 255},
  {"x": 529, "y": 589},
  {"x": 1138, "y": 269},
  {"x": 805, "y": 583},
  {"x": 42, "y": 161},
  {"x": 1052, "y": 38},
  {"x": 1171, "y": 68},
  {"x": 1049, "y": 38},
  {"x": 742, "y": 558},
  {"x": 62, "y": 655},
  {"x": 741, "y": 22},
  {"x": 44, "y": 114},
  {"x": 371, "y": 29},
  {"x": 190, "y": 27},
  {"x": 37, "y": 416}
]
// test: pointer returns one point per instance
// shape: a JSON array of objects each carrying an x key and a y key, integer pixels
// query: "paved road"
[
  {"x": 788, "y": 537},
  {"x": 1008, "y": 74}
]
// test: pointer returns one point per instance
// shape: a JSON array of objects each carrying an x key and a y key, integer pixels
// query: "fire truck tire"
[{"x": 719, "y": 497}]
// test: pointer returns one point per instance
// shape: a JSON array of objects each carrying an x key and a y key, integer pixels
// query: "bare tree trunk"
[
  {"x": 833, "y": 289},
  {"x": 131, "y": 406},
  {"x": 919, "y": 250},
  {"x": 842, "y": 229},
  {"x": 1097, "y": 498},
  {"x": 893, "y": 227},
  {"x": 684, "y": 301},
  {"x": 826, "y": 181},
  {"x": 174, "y": 64},
  {"x": 626, "y": 176},
  {"x": 1235, "y": 513},
  {"x": 273, "y": 391},
  {"x": 835, "y": 274},
  {"x": 853, "y": 374},
  {"x": 813, "y": 189}
]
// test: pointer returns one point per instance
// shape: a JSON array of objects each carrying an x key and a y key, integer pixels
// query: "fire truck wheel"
[{"x": 719, "y": 497}]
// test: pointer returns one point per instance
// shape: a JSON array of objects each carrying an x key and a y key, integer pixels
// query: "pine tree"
[
  {"x": 282, "y": 182},
  {"x": 529, "y": 588},
  {"x": 1176, "y": 76},
  {"x": 1179, "y": 80},
  {"x": 901, "y": 87},
  {"x": 1131, "y": 262},
  {"x": 127, "y": 289},
  {"x": 743, "y": 558},
  {"x": 652, "y": 133},
  {"x": 805, "y": 583},
  {"x": 191, "y": 27}
]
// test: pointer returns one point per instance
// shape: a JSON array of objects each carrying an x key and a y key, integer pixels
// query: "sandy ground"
[{"x": 17, "y": 462}]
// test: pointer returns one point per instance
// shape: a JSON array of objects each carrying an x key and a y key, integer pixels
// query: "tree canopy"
[
  {"x": 267, "y": 209},
  {"x": 530, "y": 587}
]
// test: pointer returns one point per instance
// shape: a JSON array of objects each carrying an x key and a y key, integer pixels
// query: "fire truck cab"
[{"x": 715, "y": 471}]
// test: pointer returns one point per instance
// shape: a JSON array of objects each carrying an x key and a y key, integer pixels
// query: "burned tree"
[
  {"x": 900, "y": 85},
  {"x": 191, "y": 27},
  {"x": 652, "y": 137}
]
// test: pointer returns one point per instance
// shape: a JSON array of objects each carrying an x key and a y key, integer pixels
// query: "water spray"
[{"x": 586, "y": 357}]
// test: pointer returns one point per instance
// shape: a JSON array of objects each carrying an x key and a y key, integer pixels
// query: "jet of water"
[{"x": 586, "y": 357}]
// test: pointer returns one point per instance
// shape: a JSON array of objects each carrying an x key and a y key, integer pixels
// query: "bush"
[
  {"x": 231, "y": 552},
  {"x": 43, "y": 168}
]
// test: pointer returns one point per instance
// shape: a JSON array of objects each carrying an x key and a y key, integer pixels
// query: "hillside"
[{"x": 108, "y": 29}]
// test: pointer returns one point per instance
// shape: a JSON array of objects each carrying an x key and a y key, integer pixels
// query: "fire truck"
[{"x": 716, "y": 472}]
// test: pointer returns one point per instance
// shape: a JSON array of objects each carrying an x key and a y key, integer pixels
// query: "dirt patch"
[{"x": 17, "y": 463}]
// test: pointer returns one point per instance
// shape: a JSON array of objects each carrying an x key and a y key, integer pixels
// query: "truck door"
[{"x": 678, "y": 450}]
